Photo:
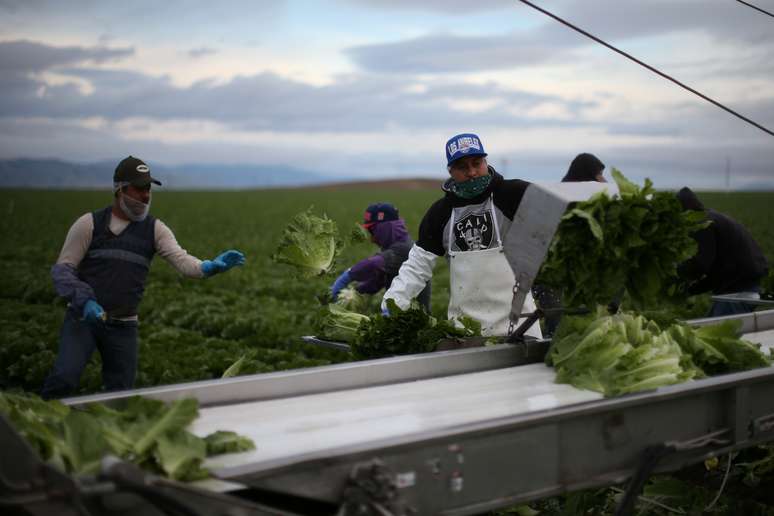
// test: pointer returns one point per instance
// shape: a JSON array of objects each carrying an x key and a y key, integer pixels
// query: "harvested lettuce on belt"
[
  {"x": 624, "y": 353},
  {"x": 146, "y": 432},
  {"x": 634, "y": 240},
  {"x": 309, "y": 243},
  {"x": 334, "y": 322}
]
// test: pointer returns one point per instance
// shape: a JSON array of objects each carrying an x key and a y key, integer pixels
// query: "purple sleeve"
[
  {"x": 369, "y": 274},
  {"x": 69, "y": 286}
]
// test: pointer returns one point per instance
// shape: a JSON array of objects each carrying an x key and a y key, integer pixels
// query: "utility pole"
[{"x": 728, "y": 174}]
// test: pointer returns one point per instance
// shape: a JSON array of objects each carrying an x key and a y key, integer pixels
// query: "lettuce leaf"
[{"x": 309, "y": 244}]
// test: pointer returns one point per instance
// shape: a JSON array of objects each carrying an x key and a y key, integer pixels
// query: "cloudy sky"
[{"x": 373, "y": 88}]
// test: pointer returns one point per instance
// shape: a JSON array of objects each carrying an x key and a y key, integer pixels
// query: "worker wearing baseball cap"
[
  {"x": 376, "y": 272},
  {"x": 467, "y": 226},
  {"x": 101, "y": 272}
]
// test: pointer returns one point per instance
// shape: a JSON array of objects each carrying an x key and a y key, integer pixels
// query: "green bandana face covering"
[{"x": 472, "y": 187}]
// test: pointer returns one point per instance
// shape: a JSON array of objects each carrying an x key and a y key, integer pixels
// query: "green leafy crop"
[
  {"x": 408, "y": 331},
  {"x": 146, "y": 432},
  {"x": 626, "y": 353},
  {"x": 309, "y": 243},
  {"x": 634, "y": 241}
]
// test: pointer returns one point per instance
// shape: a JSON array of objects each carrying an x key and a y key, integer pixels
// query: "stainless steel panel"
[
  {"x": 331, "y": 378},
  {"x": 764, "y": 320},
  {"x": 483, "y": 465}
]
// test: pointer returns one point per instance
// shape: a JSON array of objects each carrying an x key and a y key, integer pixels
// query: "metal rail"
[{"x": 337, "y": 377}]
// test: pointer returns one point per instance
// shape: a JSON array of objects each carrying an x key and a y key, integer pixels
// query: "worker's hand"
[
  {"x": 93, "y": 313},
  {"x": 341, "y": 282},
  {"x": 385, "y": 312},
  {"x": 223, "y": 262}
]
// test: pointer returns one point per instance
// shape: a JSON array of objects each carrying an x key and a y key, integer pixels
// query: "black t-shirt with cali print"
[{"x": 473, "y": 221}]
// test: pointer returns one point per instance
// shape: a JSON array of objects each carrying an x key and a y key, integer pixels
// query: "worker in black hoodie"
[{"x": 728, "y": 261}]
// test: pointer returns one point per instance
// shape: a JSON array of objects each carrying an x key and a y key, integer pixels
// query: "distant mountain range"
[{"x": 52, "y": 173}]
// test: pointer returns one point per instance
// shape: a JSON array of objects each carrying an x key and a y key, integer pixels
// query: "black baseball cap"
[{"x": 134, "y": 171}]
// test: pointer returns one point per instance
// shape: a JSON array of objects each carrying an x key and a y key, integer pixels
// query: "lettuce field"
[{"x": 195, "y": 329}]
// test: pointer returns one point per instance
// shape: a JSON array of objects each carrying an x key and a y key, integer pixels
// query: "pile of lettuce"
[
  {"x": 625, "y": 353},
  {"x": 339, "y": 320},
  {"x": 336, "y": 323},
  {"x": 146, "y": 432},
  {"x": 406, "y": 332},
  {"x": 309, "y": 243},
  {"x": 635, "y": 240}
]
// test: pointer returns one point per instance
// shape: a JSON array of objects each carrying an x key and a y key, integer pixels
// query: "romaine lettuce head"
[
  {"x": 352, "y": 300},
  {"x": 740, "y": 354},
  {"x": 337, "y": 324},
  {"x": 648, "y": 366},
  {"x": 626, "y": 353},
  {"x": 309, "y": 243},
  {"x": 359, "y": 234}
]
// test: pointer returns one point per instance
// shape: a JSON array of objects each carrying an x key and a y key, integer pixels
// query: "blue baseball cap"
[
  {"x": 465, "y": 144},
  {"x": 379, "y": 212}
]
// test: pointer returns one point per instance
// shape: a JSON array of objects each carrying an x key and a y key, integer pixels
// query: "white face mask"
[{"x": 135, "y": 210}]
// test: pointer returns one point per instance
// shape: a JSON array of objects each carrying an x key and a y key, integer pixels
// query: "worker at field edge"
[
  {"x": 101, "y": 272},
  {"x": 376, "y": 272},
  {"x": 584, "y": 167},
  {"x": 467, "y": 226},
  {"x": 728, "y": 261}
]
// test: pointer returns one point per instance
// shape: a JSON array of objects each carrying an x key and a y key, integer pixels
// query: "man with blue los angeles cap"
[
  {"x": 101, "y": 272},
  {"x": 467, "y": 226},
  {"x": 376, "y": 272}
]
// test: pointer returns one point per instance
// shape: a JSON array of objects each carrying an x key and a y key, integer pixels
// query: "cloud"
[
  {"x": 444, "y": 53},
  {"x": 13, "y": 6},
  {"x": 201, "y": 52},
  {"x": 613, "y": 18},
  {"x": 627, "y": 20},
  {"x": 550, "y": 42},
  {"x": 267, "y": 101},
  {"x": 24, "y": 56},
  {"x": 449, "y": 7}
]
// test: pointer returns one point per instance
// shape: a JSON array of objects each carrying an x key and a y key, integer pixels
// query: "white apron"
[{"x": 481, "y": 285}]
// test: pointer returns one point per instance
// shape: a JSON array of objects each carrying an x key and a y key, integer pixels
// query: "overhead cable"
[
  {"x": 652, "y": 69},
  {"x": 748, "y": 4}
]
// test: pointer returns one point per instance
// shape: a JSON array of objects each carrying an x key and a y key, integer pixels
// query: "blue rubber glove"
[
  {"x": 223, "y": 262},
  {"x": 341, "y": 282},
  {"x": 93, "y": 313},
  {"x": 385, "y": 312}
]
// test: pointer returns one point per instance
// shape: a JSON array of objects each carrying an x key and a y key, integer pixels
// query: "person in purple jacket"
[{"x": 376, "y": 272}]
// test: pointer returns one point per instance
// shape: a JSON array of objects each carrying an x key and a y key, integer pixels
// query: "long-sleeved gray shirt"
[{"x": 76, "y": 245}]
